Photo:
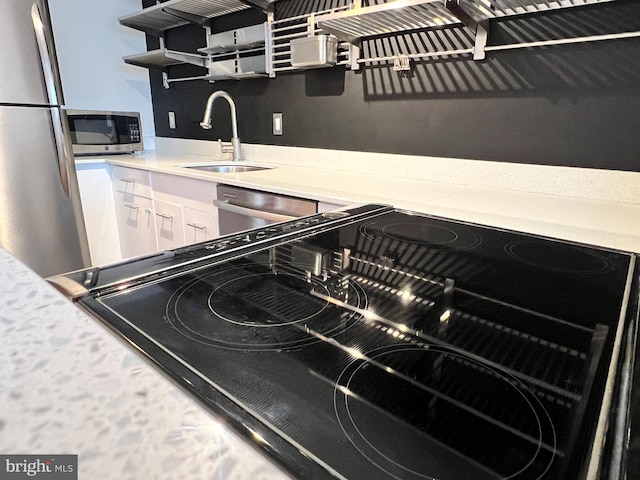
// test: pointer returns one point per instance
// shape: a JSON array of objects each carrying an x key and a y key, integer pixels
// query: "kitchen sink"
[{"x": 224, "y": 167}]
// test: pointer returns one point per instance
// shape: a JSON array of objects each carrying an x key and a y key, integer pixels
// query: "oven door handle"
[{"x": 250, "y": 212}]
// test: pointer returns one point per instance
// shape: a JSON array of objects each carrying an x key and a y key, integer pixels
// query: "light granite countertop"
[
  {"x": 69, "y": 386},
  {"x": 599, "y": 212}
]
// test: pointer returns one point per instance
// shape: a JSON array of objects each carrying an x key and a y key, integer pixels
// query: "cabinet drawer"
[
  {"x": 169, "y": 225},
  {"x": 190, "y": 192},
  {"x": 199, "y": 226},
  {"x": 131, "y": 180}
]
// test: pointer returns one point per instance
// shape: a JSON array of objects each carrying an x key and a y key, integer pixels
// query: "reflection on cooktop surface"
[
  {"x": 248, "y": 306},
  {"x": 559, "y": 257},
  {"x": 441, "y": 394},
  {"x": 399, "y": 347},
  {"x": 434, "y": 234}
]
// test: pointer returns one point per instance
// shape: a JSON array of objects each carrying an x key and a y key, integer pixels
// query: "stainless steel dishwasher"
[{"x": 242, "y": 209}]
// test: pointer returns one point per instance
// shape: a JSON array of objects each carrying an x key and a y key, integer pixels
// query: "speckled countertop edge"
[{"x": 69, "y": 386}]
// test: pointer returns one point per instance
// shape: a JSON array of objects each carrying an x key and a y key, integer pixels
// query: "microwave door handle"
[
  {"x": 62, "y": 146},
  {"x": 250, "y": 212}
]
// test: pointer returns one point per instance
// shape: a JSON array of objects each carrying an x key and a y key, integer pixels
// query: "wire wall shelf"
[
  {"x": 352, "y": 24},
  {"x": 161, "y": 58},
  {"x": 401, "y": 16},
  {"x": 285, "y": 30},
  {"x": 357, "y": 23},
  {"x": 175, "y": 13}
]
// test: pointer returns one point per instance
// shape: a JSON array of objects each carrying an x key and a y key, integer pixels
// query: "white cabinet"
[
  {"x": 199, "y": 217},
  {"x": 131, "y": 180},
  {"x": 94, "y": 180},
  {"x": 199, "y": 226},
  {"x": 158, "y": 211},
  {"x": 134, "y": 211},
  {"x": 169, "y": 225},
  {"x": 136, "y": 225},
  {"x": 190, "y": 192}
]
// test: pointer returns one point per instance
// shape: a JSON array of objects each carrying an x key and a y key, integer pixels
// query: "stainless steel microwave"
[{"x": 95, "y": 132}]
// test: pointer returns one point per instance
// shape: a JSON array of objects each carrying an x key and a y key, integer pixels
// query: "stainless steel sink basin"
[{"x": 225, "y": 167}]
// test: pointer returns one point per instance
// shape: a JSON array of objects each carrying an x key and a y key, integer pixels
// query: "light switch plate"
[
  {"x": 277, "y": 124},
  {"x": 172, "y": 119}
]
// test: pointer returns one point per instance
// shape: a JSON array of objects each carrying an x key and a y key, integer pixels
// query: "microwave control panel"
[{"x": 134, "y": 131}]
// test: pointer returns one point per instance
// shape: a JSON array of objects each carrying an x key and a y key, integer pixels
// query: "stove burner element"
[
  {"x": 403, "y": 408},
  {"x": 251, "y": 307},
  {"x": 559, "y": 257},
  {"x": 238, "y": 301},
  {"x": 428, "y": 233}
]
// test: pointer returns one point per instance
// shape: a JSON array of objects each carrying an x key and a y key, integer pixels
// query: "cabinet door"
[
  {"x": 169, "y": 225},
  {"x": 136, "y": 225},
  {"x": 199, "y": 226},
  {"x": 96, "y": 195}
]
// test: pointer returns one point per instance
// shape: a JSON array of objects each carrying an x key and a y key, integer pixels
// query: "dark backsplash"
[{"x": 574, "y": 105}]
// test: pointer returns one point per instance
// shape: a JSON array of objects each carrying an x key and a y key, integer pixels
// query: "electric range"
[{"x": 375, "y": 343}]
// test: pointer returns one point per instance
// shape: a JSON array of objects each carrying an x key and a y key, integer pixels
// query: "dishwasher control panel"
[{"x": 268, "y": 232}]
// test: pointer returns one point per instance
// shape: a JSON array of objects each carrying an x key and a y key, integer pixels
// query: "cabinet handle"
[
  {"x": 131, "y": 206},
  {"x": 128, "y": 180},
  {"x": 165, "y": 216},
  {"x": 199, "y": 227}
]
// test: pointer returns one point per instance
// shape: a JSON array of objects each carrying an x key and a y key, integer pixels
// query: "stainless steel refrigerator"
[{"x": 41, "y": 219}]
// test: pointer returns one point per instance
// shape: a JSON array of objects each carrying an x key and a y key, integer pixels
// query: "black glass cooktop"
[{"x": 396, "y": 346}]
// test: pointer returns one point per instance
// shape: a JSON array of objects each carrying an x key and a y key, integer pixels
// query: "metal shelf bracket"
[{"x": 482, "y": 34}]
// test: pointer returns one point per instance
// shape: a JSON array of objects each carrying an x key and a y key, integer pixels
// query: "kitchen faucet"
[{"x": 206, "y": 123}]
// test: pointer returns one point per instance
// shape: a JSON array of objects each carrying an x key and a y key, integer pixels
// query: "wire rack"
[
  {"x": 485, "y": 9},
  {"x": 387, "y": 18},
  {"x": 400, "y": 16},
  {"x": 300, "y": 26},
  {"x": 159, "y": 18},
  {"x": 396, "y": 17}
]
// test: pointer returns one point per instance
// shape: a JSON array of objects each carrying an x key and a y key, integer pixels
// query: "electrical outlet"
[
  {"x": 172, "y": 119},
  {"x": 277, "y": 124}
]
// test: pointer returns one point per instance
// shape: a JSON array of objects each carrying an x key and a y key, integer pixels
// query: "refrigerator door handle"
[
  {"x": 49, "y": 79},
  {"x": 45, "y": 55},
  {"x": 62, "y": 147}
]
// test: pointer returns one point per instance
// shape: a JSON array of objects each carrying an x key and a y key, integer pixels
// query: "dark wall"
[{"x": 572, "y": 105}]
